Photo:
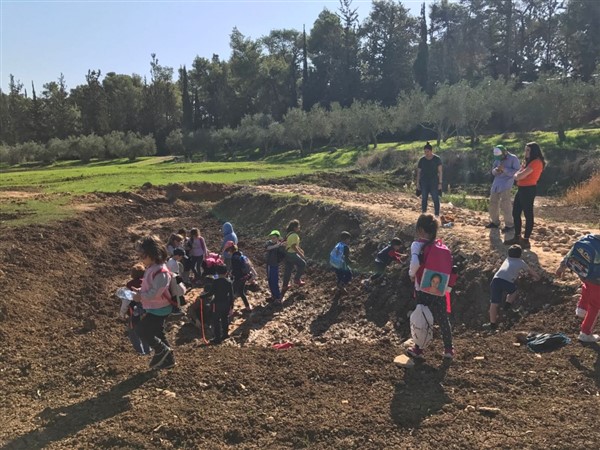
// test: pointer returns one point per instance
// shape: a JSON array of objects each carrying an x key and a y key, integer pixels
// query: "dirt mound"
[{"x": 71, "y": 380}]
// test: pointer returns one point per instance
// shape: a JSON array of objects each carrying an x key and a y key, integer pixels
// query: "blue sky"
[{"x": 42, "y": 38}]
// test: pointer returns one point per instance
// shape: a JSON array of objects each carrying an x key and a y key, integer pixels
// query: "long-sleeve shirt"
[
  {"x": 503, "y": 181},
  {"x": 222, "y": 290}
]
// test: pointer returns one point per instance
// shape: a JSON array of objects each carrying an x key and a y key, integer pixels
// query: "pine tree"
[
  {"x": 188, "y": 115},
  {"x": 420, "y": 66}
]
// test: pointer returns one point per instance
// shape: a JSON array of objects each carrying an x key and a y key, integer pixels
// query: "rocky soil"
[{"x": 70, "y": 378}]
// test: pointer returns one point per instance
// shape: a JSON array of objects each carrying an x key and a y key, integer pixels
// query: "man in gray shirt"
[{"x": 505, "y": 166}]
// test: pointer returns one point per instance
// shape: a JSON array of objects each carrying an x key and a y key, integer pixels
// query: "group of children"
[{"x": 165, "y": 267}]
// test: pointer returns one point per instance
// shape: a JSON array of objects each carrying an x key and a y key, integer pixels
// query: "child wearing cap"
[
  {"x": 503, "y": 169},
  {"x": 275, "y": 254}
]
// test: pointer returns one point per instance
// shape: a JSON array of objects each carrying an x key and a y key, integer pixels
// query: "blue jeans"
[
  {"x": 430, "y": 187},
  {"x": 273, "y": 277}
]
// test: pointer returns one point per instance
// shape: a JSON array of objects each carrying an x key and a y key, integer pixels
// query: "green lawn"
[{"x": 123, "y": 175}]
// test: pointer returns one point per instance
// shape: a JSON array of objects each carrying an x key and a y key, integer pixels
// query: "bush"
[
  {"x": 586, "y": 193},
  {"x": 114, "y": 144},
  {"x": 58, "y": 148},
  {"x": 88, "y": 147},
  {"x": 174, "y": 142}
]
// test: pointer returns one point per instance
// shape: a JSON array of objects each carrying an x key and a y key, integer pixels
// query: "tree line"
[{"x": 461, "y": 67}]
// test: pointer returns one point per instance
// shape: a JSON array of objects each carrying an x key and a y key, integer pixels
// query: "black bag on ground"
[{"x": 547, "y": 342}]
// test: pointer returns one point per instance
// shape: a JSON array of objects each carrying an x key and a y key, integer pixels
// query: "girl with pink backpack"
[{"x": 431, "y": 271}]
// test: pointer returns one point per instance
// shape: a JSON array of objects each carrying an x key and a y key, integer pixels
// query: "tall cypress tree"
[
  {"x": 188, "y": 115},
  {"x": 420, "y": 66},
  {"x": 305, "y": 104}
]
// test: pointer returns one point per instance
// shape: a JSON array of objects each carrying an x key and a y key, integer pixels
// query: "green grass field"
[{"x": 123, "y": 175}]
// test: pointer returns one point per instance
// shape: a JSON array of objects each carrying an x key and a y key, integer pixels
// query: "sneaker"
[
  {"x": 299, "y": 282},
  {"x": 160, "y": 357},
  {"x": 580, "y": 312},
  {"x": 449, "y": 353},
  {"x": 177, "y": 311},
  {"x": 492, "y": 225},
  {"x": 588, "y": 337},
  {"x": 513, "y": 241},
  {"x": 416, "y": 352},
  {"x": 168, "y": 362},
  {"x": 525, "y": 245},
  {"x": 490, "y": 326}
]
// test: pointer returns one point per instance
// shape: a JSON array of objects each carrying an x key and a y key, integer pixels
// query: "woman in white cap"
[{"x": 505, "y": 166}]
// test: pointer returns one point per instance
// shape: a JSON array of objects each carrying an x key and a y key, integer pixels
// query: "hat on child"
[
  {"x": 178, "y": 252},
  {"x": 275, "y": 233},
  {"x": 499, "y": 150}
]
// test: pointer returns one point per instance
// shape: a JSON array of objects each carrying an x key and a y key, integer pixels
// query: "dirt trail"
[{"x": 71, "y": 380}]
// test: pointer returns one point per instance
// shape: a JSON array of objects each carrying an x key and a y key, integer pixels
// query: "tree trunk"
[{"x": 562, "y": 137}]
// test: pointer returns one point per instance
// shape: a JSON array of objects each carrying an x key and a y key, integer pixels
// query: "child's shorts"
[{"x": 498, "y": 287}]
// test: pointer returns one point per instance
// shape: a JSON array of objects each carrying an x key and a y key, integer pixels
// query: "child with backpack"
[
  {"x": 222, "y": 304},
  {"x": 175, "y": 265},
  {"x": 132, "y": 311},
  {"x": 155, "y": 298},
  {"x": 196, "y": 247},
  {"x": 275, "y": 254},
  {"x": 431, "y": 259},
  {"x": 504, "y": 283},
  {"x": 339, "y": 259},
  {"x": 229, "y": 237},
  {"x": 584, "y": 260},
  {"x": 294, "y": 256},
  {"x": 241, "y": 272},
  {"x": 389, "y": 253}
]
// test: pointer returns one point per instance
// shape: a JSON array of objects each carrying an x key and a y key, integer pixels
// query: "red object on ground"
[{"x": 283, "y": 346}]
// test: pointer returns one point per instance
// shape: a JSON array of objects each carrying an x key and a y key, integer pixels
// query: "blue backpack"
[
  {"x": 336, "y": 257},
  {"x": 584, "y": 258}
]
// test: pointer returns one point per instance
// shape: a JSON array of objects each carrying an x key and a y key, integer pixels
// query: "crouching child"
[{"x": 503, "y": 283}]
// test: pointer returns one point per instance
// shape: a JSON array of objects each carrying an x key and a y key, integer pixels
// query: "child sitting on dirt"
[
  {"x": 294, "y": 256},
  {"x": 504, "y": 282},
  {"x": 275, "y": 254},
  {"x": 156, "y": 300},
  {"x": 390, "y": 252},
  {"x": 241, "y": 272},
  {"x": 222, "y": 305},
  {"x": 339, "y": 259},
  {"x": 588, "y": 306},
  {"x": 427, "y": 228}
]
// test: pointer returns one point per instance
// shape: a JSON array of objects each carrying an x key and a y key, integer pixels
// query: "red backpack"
[{"x": 435, "y": 272}]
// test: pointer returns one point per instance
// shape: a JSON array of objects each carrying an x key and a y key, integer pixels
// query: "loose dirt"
[{"x": 70, "y": 378}]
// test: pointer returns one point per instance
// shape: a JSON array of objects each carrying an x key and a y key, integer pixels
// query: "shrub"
[{"x": 586, "y": 193}]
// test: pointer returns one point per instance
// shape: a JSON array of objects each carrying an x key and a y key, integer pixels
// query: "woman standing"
[{"x": 527, "y": 178}]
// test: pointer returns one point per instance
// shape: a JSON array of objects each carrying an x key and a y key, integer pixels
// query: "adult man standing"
[
  {"x": 429, "y": 179},
  {"x": 505, "y": 166}
]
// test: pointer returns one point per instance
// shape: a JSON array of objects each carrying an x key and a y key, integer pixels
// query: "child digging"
[
  {"x": 156, "y": 300},
  {"x": 504, "y": 282},
  {"x": 390, "y": 252}
]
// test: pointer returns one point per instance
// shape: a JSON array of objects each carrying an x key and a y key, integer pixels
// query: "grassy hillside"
[{"x": 123, "y": 175}]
